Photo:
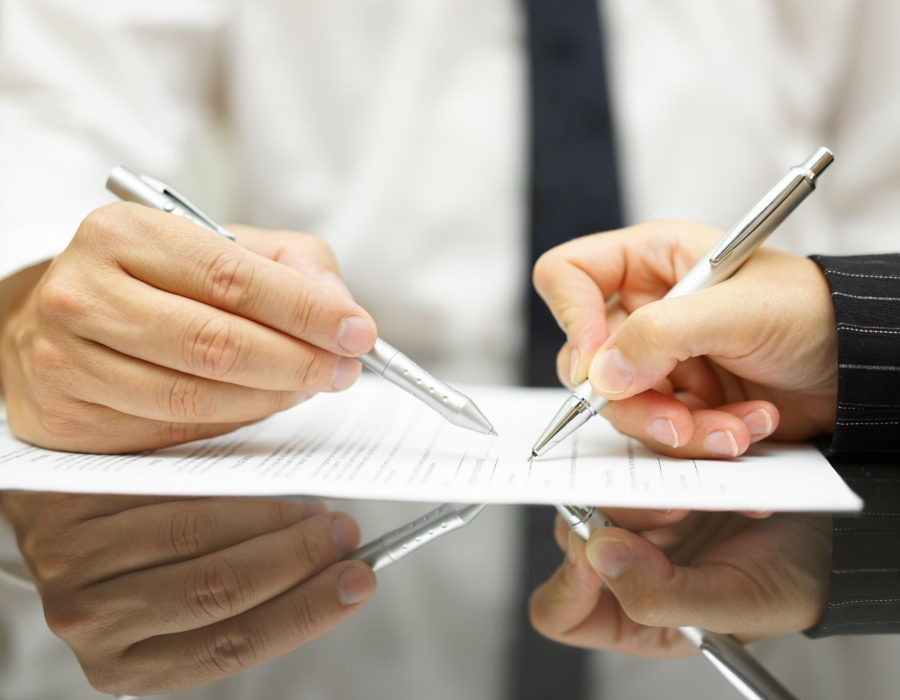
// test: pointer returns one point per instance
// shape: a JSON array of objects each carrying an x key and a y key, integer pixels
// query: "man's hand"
[
  {"x": 149, "y": 330},
  {"x": 724, "y": 572},
  {"x": 155, "y": 595},
  {"x": 703, "y": 375}
]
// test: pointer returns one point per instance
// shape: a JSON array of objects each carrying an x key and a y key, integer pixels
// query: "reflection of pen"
[
  {"x": 726, "y": 257},
  {"x": 383, "y": 359},
  {"x": 406, "y": 539}
]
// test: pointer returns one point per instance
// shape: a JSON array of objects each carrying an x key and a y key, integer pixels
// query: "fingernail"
[
  {"x": 346, "y": 373},
  {"x": 721, "y": 442},
  {"x": 354, "y": 586},
  {"x": 759, "y": 422},
  {"x": 663, "y": 430},
  {"x": 573, "y": 367},
  {"x": 608, "y": 557},
  {"x": 344, "y": 532},
  {"x": 356, "y": 335},
  {"x": 611, "y": 372}
]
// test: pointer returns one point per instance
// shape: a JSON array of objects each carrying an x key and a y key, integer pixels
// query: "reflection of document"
[{"x": 374, "y": 442}]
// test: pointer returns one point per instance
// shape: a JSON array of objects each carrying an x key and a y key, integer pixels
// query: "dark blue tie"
[{"x": 573, "y": 192}]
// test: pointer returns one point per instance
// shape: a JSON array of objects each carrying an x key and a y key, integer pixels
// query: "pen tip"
[
  {"x": 532, "y": 456},
  {"x": 494, "y": 433}
]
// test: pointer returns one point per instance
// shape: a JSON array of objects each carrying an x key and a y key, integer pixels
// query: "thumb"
[
  {"x": 657, "y": 336},
  {"x": 654, "y": 592}
]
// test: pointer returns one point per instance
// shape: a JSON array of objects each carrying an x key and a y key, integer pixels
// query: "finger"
[
  {"x": 173, "y": 662},
  {"x": 655, "y": 593},
  {"x": 175, "y": 255},
  {"x": 149, "y": 535},
  {"x": 72, "y": 425},
  {"x": 576, "y": 302},
  {"x": 299, "y": 251},
  {"x": 204, "y": 590},
  {"x": 569, "y": 597},
  {"x": 642, "y": 519},
  {"x": 160, "y": 394},
  {"x": 181, "y": 334},
  {"x": 665, "y": 424}
]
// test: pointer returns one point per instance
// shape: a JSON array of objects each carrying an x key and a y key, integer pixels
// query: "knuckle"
[
  {"x": 310, "y": 549},
  {"x": 215, "y": 589},
  {"x": 229, "y": 649},
  {"x": 307, "y": 618},
  {"x": 307, "y": 314},
  {"x": 645, "y": 609},
  {"x": 213, "y": 346},
  {"x": 185, "y": 399},
  {"x": 313, "y": 368},
  {"x": 63, "y": 300},
  {"x": 48, "y": 559},
  {"x": 228, "y": 279},
  {"x": 651, "y": 324},
  {"x": 105, "y": 223},
  {"x": 76, "y": 624},
  {"x": 189, "y": 531}
]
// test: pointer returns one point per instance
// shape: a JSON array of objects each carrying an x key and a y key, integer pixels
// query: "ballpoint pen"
[
  {"x": 732, "y": 251},
  {"x": 384, "y": 359},
  {"x": 745, "y": 673}
]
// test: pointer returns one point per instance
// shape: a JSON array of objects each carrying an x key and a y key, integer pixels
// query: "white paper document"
[{"x": 375, "y": 442}]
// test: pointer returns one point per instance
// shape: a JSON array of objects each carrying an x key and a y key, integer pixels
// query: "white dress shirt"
[{"x": 396, "y": 130}]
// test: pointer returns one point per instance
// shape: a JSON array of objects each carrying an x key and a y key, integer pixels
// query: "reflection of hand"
[
  {"x": 701, "y": 375},
  {"x": 155, "y": 595},
  {"x": 722, "y": 572},
  {"x": 149, "y": 330}
]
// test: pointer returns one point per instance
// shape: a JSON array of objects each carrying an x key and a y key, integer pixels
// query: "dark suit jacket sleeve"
[{"x": 865, "y": 448}]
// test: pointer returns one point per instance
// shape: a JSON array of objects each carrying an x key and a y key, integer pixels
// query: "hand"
[
  {"x": 723, "y": 572},
  {"x": 155, "y": 595},
  {"x": 149, "y": 330},
  {"x": 703, "y": 375}
]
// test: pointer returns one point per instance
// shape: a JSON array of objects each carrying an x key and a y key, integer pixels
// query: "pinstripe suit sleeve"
[{"x": 865, "y": 448}]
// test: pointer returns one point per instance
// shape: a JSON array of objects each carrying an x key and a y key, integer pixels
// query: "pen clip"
[
  {"x": 187, "y": 207},
  {"x": 773, "y": 207},
  {"x": 149, "y": 191}
]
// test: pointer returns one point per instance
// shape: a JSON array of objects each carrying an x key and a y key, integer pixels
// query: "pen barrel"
[
  {"x": 397, "y": 368},
  {"x": 742, "y": 240},
  {"x": 584, "y": 520},
  {"x": 744, "y": 672},
  {"x": 385, "y": 360},
  {"x": 396, "y": 544}
]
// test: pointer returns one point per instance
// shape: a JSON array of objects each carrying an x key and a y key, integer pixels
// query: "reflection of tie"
[{"x": 573, "y": 192}]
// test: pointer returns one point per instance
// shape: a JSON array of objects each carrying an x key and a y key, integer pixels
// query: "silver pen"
[
  {"x": 384, "y": 359},
  {"x": 732, "y": 251},
  {"x": 406, "y": 539},
  {"x": 725, "y": 652}
]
